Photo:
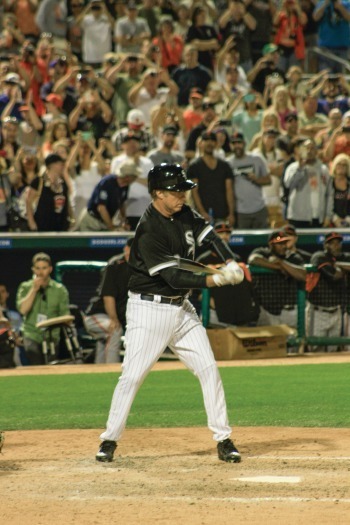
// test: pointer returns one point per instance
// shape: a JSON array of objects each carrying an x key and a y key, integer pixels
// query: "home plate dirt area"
[{"x": 173, "y": 476}]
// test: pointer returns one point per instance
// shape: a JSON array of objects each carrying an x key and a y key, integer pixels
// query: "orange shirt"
[{"x": 171, "y": 51}]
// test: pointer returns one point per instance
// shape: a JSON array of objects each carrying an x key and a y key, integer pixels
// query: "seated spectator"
[
  {"x": 310, "y": 200},
  {"x": 277, "y": 293},
  {"x": 170, "y": 44},
  {"x": 130, "y": 30},
  {"x": 105, "y": 317},
  {"x": 190, "y": 75},
  {"x": 48, "y": 201},
  {"x": 340, "y": 172},
  {"x": 289, "y": 23},
  {"x": 108, "y": 198},
  {"x": 203, "y": 37},
  {"x": 39, "y": 299}
]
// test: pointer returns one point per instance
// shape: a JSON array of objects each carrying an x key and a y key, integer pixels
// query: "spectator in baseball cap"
[{"x": 292, "y": 234}]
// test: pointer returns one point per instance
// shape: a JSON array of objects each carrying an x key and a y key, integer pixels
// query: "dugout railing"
[
  {"x": 302, "y": 340},
  {"x": 82, "y": 277}
]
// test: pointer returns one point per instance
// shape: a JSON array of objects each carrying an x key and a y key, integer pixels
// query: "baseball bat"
[{"x": 194, "y": 266}]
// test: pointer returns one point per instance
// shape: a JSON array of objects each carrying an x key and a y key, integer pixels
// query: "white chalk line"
[
  {"x": 277, "y": 499},
  {"x": 300, "y": 458}
]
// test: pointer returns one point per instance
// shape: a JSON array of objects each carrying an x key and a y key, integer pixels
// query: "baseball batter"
[{"x": 159, "y": 313}]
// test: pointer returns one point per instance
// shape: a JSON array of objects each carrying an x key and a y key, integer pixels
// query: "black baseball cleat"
[
  {"x": 228, "y": 452},
  {"x": 106, "y": 451}
]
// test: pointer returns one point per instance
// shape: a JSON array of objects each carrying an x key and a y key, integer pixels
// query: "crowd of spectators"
[{"x": 92, "y": 89}]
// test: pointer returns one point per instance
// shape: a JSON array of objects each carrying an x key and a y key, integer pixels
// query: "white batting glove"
[{"x": 232, "y": 273}]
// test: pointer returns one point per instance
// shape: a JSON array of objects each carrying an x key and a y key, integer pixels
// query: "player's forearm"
[
  {"x": 110, "y": 308},
  {"x": 26, "y": 304}
]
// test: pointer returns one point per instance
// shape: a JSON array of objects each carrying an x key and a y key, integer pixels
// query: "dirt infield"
[{"x": 168, "y": 476}]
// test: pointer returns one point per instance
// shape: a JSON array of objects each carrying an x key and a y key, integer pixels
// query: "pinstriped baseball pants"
[{"x": 151, "y": 327}]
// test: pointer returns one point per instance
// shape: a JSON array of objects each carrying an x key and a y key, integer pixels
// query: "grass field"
[{"x": 297, "y": 396}]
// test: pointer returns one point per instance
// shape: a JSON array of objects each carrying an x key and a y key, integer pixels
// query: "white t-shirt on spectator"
[
  {"x": 97, "y": 39},
  {"x": 84, "y": 184},
  {"x": 146, "y": 103}
]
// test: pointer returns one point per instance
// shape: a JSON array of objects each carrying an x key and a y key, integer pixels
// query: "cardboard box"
[{"x": 249, "y": 343}]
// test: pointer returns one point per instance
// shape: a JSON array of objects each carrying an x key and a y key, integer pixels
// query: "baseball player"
[{"x": 159, "y": 313}]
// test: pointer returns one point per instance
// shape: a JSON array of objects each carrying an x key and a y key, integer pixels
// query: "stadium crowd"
[{"x": 250, "y": 96}]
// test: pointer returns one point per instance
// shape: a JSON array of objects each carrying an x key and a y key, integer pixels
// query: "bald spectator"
[{"x": 190, "y": 75}]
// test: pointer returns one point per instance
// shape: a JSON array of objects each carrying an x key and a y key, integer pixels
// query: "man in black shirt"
[
  {"x": 106, "y": 314},
  {"x": 277, "y": 292},
  {"x": 159, "y": 313},
  {"x": 265, "y": 67},
  {"x": 327, "y": 290}
]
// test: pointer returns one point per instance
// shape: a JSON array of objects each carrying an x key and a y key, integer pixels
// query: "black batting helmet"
[{"x": 171, "y": 177}]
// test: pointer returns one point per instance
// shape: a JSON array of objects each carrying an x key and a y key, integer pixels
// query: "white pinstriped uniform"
[
  {"x": 153, "y": 325},
  {"x": 151, "y": 328}
]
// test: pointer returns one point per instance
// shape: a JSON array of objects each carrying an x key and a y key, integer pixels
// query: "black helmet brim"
[{"x": 183, "y": 186}]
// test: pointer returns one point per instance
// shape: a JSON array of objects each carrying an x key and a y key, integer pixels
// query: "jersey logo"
[{"x": 190, "y": 241}]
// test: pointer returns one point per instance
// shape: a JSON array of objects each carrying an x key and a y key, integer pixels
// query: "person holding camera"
[
  {"x": 96, "y": 23},
  {"x": 265, "y": 67},
  {"x": 333, "y": 17},
  {"x": 311, "y": 194},
  {"x": 131, "y": 30},
  {"x": 239, "y": 23},
  {"x": 333, "y": 92},
  {"x": 289, "y": 22},
  {"x": 339, "y": 141}
]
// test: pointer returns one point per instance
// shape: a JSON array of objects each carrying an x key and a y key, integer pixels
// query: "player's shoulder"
[{"x": 319, "y": 257}]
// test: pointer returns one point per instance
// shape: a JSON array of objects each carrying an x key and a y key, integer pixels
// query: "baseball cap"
[
  {"x": 277, "y": 237},
  {"x": 237, "y": 137},
  {"x": 130, "y": 136},
  {"x": 131, "y": 5},
  {"x": 171, "y": 130},
  {"x": 23, "y": 108},
  {"x": 269, "y": 48},
  {"x": 196, "y": 93},
  {"x": 135, "y": 117},
  {"x": 289, "y": 229},
  {"x": 222, "y": 227},
  {"x": 12, "y": 78},
  {"x": 291, "y": 115},
  {"x": 128, "y": 168},
  {"x": 209, "y": 135},
  {"x": 52, "y": 158},
  {"x": 333, "y": 235},
  {"x": 54, "y": 99}
]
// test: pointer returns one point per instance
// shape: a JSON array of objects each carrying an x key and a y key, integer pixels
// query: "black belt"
[
  {"x": 327, "y": 310},
  {"x": 165, "y": 300}
]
